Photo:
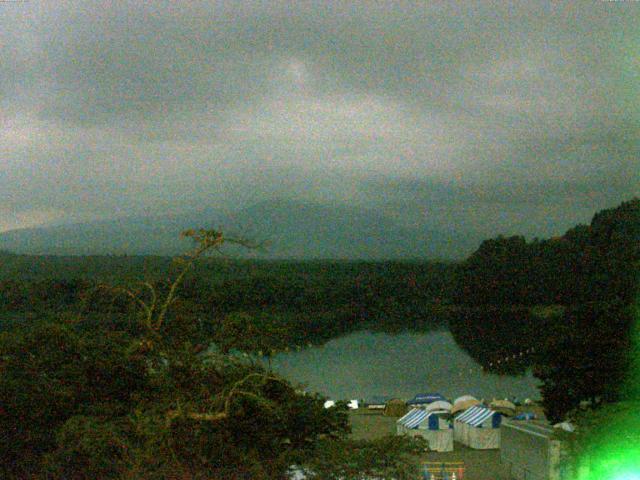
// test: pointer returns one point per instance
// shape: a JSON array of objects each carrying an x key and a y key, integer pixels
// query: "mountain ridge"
[{"x": 294, "y": 229}]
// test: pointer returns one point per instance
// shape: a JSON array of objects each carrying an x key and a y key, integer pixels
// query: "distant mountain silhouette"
[{"x": 292, "y": 229}]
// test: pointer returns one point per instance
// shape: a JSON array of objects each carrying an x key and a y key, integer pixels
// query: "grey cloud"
[{"x": 109, "y": 107}]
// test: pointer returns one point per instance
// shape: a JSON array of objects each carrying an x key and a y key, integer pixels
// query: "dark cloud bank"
[{"x": 484, "y": 117}]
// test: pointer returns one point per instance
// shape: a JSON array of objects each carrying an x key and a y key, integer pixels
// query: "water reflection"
[{"x": 365, "y": 364}]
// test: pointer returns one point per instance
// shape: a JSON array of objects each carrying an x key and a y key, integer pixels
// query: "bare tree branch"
[{"x": 235, "y": 391}]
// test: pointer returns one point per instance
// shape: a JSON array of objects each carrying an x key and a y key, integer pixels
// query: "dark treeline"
[
  {"x": 566, "y": 302},
  {"x": 309, "y": 302},
  {"x": 589, "y": 263}
]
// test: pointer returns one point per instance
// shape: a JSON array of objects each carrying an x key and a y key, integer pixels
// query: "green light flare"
[
  {"x": 612, "y": 448},
  {"x": 613, "y": 451},
  {"x": 627, "y": 476}
]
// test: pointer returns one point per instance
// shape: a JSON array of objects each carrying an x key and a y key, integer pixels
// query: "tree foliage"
[
  {"x": 143, "y": 399},
  {"x": 585, "y": 358},
  {"x": 596, "y": 262},
  {"x": 581, "y": 349}
]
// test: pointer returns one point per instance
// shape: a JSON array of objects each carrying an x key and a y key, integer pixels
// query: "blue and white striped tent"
[
  {"x": 478, "y": 427},
  {"x": 435, "y": 428},
  {"x": 478, "y": 415},
  {"x": 413, "y": 418}
]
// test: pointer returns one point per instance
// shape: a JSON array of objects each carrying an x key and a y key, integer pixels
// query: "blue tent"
[
  {"x": 525, "y": 416},
  {"x": 425, "y": 398}
]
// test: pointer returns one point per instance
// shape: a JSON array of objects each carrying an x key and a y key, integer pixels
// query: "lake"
[{"x": 364, "y": 364}]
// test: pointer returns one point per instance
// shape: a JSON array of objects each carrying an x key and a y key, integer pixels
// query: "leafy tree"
[
  {"x": 598, "y": 262},
  {"x": 585, "y": 358},
  {"x": 141, "y": 399},
  {"x": 51, "y": 373}
]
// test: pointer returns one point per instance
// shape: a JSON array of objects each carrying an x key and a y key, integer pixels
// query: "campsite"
[{"x": 477, "y": 463}]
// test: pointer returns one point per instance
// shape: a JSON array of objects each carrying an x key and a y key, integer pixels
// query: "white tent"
[
  {"x": 405, "y": 423},
  {"x": 567, "y": 426},
  {"x": 463, "y": 403},
  {"x": 464, "y": 398},
  {"x": 329, "y": 404},
  {"x": 353, "y": 405},
  {"x": 434, "y": 428},
  {"x": 439, "y": 406},
  {"x": 478, "y": 428}
]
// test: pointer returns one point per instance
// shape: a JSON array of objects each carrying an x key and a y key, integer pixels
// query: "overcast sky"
[{"x": 504, "y": 117}]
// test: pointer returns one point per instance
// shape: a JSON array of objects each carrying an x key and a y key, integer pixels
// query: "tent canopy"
[
  {"x": 418, "y": 417},
  {"x": 439, "y": 405},
  {"x": 461, "y": 405},
  {"x": 433, "y": 427},
  {"x": 478, "y": 415},
  {"x": 503, "y": 406},
  {"x": 425, "y": 398},
  {"x": 413, "y": 418},
  {"x": 464, "y": 398}
]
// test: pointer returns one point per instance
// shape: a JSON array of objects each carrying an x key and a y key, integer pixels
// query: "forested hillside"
[
  {"x": 106, "y": 381},
  {"x": 567, "y": 299},
  {"x": 596, "y": 262}
]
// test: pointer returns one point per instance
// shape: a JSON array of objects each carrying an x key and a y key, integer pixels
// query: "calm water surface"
[{"x": 364, "y": 364}]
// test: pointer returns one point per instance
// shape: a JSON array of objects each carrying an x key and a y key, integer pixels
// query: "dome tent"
[
  {"x": 463, "y": 403},
  {"x": 504, "y": 407},
  {"x": 439, "y": 406},
  {"x": 463, "y": 398}
]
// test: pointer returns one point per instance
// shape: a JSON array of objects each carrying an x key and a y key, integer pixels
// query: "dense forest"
[
  {"x": 569, "y": 299},
  {"x": 589, "y": 263},
  {"x": 310, "y": 302},
  {"x": 100, "y": 355}
]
